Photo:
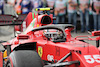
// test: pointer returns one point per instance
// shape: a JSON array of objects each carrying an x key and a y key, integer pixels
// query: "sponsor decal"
[
  {"x": 57, "y": 51},
  {"x": 92, "y": 58},
  {"x": 50, "y": 57},
  {"x": 40, "y": 51},
  {"x": 24, "y": 25}
]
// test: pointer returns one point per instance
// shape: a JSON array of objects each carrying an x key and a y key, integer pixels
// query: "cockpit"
[{"x": 54, "y": 35}]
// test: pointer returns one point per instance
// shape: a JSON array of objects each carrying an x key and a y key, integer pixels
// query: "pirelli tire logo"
[{"x": 40, "y": 51}]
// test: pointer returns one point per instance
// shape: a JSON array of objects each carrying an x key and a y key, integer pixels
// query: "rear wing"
[
  {"x": 10, "y": 17},
  {"x": 6, "y": 20}
]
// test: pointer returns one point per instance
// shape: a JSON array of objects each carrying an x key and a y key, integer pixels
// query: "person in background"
[
  {"x": 95, "y": 8},
  {"x": 60, "y": 11},
  {"x": 11, "y": 2},
  {"x": 84, "y": 14},
  {"x": 18, "y": 6},
  {"x": 72, "y": 16},
  {"x": 66, "y": 1},
  {"x": 50, "y": 3},
  {"x": 44, "y": 3},
  {"x": 1, "y": 6},
  {"x": 36, "y": 4},
  {"x": 26, "y": 6}
]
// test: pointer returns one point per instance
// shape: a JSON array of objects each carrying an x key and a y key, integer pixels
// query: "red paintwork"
[
  {"x": 1, "y": 59},
  {"x": 28, "y": 20},
  {"x": 30, "y": 17},
  {"x": 96, "y": 33},
  {"x": 89, "y": 53},
  {"x": 11, "y": 62}
]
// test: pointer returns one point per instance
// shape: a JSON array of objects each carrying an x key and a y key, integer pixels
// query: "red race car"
[{"x": 44, "y": 44}]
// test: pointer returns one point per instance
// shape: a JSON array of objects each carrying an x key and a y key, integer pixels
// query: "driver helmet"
[{"x": 52, "y": 34}]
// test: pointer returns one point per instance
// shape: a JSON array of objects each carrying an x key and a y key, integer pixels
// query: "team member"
[
  {"x": 95, "y": 7},
  {"x": 11, "y": 2},
  {"x": 44, "y": 3},
  {"x": 50, "y": 3},
  {"x": 18, "y": 6},
  {"x": 26, "y": 6},
  {"x": 60, "y": 11},
  {"x": 84, "y": 14},
  {"x": 72, "y": 4},
  {"x": 1, "y": 6},
  {"x": 37, "y": 3}
]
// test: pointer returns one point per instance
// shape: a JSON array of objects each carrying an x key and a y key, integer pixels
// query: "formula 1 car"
[{"x": 44, "y": 44}]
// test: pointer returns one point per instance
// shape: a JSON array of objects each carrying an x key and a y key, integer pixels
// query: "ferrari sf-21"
[{"x": 43, "y": 44}]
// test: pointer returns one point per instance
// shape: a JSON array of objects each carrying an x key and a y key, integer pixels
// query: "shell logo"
[{"x": 40, "y": 51}]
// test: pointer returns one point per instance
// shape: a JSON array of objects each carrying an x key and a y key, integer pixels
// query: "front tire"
[
  {"x": 8, "y": 64},
  {"x": 24, "y": 58}
]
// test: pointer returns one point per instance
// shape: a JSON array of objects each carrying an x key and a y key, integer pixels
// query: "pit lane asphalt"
[{"x": 7, "y": 33}]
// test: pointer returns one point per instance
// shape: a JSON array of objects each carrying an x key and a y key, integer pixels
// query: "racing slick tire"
[{"x": 24, "y": 58}]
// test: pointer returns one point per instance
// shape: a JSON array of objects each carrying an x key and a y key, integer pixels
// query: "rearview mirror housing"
[
  {"x": 96, "y": 33},
  {"x": 20, "y": 36}
]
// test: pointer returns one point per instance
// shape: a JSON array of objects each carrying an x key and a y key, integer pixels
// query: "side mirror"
[
  {"x": 21, "y": 36},
  {"x": 96, "y": 33}
]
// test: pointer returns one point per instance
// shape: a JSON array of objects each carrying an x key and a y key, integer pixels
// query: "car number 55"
[{"x": 92, "y": 58}]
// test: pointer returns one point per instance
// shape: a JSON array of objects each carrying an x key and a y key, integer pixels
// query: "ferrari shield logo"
[{"x": 40, "y": 51}]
